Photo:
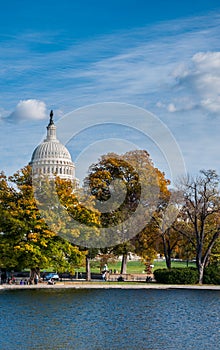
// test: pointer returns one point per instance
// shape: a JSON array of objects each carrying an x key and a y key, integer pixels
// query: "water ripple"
[{"x": 110, "y": 319}]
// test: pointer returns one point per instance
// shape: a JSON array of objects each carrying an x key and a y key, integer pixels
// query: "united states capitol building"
[{"x": 51, "y": 157}]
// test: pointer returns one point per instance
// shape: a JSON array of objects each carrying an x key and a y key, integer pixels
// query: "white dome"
[
  {"x": 50, "y": 150},
  {"x": 51, "y": 157}
]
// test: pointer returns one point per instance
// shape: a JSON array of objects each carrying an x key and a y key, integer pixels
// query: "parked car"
[{"x": 52, "y": 275}]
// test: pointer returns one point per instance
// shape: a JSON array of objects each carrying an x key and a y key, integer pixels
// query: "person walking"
[{"x": 36, "y": 278}]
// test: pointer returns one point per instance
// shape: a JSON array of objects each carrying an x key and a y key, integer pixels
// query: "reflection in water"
[{"x": 109, "y": 319}]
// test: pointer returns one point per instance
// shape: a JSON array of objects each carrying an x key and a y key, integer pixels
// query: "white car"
[{"x": 52, "y": 275}]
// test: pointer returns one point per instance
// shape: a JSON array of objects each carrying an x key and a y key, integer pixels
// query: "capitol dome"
[{"x": 51, "y": 158}]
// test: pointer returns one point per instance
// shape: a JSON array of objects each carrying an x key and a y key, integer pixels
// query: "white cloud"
[
  {"x": 207, "y": 61},
  {"x": 29, "y": 109},
  {"x": 179, "y": 104},
  {"x": 213, "y": 105},
  {"x": 200, "y": 78},
  {"x": 171, "y": 108},
  {"x": 3, "y": 113}
]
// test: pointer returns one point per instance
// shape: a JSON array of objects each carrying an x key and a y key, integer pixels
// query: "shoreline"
[{"x": 106, "y": 285}]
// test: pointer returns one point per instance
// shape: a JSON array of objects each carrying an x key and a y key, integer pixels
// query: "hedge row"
[
  {"x": 187, "y": 275},
  {"x": 212, "y": 275}
]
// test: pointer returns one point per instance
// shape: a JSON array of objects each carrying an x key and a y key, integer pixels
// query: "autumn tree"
[
  {"x": 147, "y": 243},
  {"x": 70, "y": 212},
  {"x": 26, "y": 240},
  {"x": 165, "y": 218},
  {"x": 128, "y": 189},
  {"x": 200, "y": 216}
]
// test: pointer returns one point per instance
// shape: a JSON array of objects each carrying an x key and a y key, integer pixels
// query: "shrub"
[
  {"x": 188, "y": 275},
  {"x": 212, "y": 275}
]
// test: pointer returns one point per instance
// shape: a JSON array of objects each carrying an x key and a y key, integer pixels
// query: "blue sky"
[{"x": 163, "y": 56}]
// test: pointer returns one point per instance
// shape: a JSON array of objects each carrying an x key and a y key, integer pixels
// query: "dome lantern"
[{"x": 51, "y": 129}]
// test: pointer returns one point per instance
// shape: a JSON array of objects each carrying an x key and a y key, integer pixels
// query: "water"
[{"x": 109, "y": 319}]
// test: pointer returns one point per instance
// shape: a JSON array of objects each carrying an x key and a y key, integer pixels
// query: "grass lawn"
[
  {"x": 162, "y": 264},
  {"x": 137, "y": 266}
]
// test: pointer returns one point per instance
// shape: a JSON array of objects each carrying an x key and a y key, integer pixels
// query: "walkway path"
[{"x": 106, "y": 285}]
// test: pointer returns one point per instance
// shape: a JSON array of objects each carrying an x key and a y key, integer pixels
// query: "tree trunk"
[
  {"x": 124, "y": 263},
  {"x": 201, "y": 273},
  {"x": 88, "y": 271},
  {"x": 34, "y": 272},
  {"x": 168, "y": 261},
  {"x": 199, "y": 264},
  {"x": 167, "y": 251}
]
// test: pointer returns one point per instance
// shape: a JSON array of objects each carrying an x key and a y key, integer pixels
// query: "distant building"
[{"x": 51, "y": 158}]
